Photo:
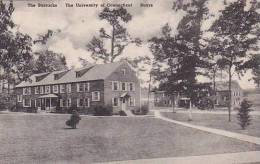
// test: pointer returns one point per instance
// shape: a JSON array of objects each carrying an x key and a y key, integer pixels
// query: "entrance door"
[
  {"x": 47, "y": 104},
  {"x": 123, "y": 103}
]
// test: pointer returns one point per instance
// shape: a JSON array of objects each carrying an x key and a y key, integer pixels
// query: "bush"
[
  {"x": 243, "y": 114},
  {"x": 103, "y": 111},
  {"x": 74, "y": 119},
  {"x": 141, "y": 111},
  {"x": 122, "y": 113}
]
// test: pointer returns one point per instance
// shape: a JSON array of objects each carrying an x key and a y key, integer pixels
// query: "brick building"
[{"x": 114, "y": 84}]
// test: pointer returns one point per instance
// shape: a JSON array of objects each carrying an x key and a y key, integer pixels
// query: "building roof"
[
  {"x": 93, "y": 72},
  {"x": 223, "y": 85}
]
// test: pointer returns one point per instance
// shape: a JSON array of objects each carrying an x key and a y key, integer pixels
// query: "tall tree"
[
  {"x": 256, "y": 70},
  {"x": 118, "y": 38},
  {"x": 236, "y": 33},
  {"x": 47, "y": 60},
  {"x": 183, "y": 55}
]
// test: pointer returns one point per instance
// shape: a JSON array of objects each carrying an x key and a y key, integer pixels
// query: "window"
[
  {"x": 26, "y": 102},
  {"x": 55, "y": 89},
  {"x": 68, "y": 88},
  {"x": 87, "y": 103},
  {"x": 27, "y": 91},
  {"x": 69, "y": 102},
  {"x": 62, "y": 88},
  {"x": 131, "y": 101},
  {"x": 80, "y": 102},
  {"x": 62, "y": 102},
  {"x": 131, "y": 87},
  {"x": 115, "y": 101},
  {"x": 19, "y": 98},
  {"x": 87, "y": 86},
  {"x": 80, "y": 87},
  {"x": 115, "y": 85},
  {"x": 123, "y": 71},
  {"x": 41, "y": 90},
  {"x": 123, "y": 86},
  {"x": 96, "y": 96},
  {"x": 36, "y": 90},
  {"x": 47, "y": 89}
]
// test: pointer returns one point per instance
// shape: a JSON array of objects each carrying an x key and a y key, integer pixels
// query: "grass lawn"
[
  {"x": 45, "y": 139},
  {"x": 219, "y": 121}
]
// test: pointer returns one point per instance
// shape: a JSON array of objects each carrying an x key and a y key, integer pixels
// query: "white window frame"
[
  {"x": 69, "y": 102},
  {"x": 19, "y": 98},
  {"x": 124, "y": 71},
  {"x": 68, "y": 87},
  {"x": 29, "y": 103},
  {"x": 36, "y": 90},
  {"x": 46, "y": 90},
  {"x": 88, "y": 102},
  {"x": 63, "y": 103},
  {"x": 113, "y": 101},
  {"x": 87, "y": 87},
  {"x": 62, "y": 88},
  {"x": 78, "y": 87},
  {"x": 78, "y": 102},
  {"x": 133, "y": 86},
  {"x": 93, "y": 96},
  {"x": 41, "y": 89},
  {"x": 27, "y": 91},
  {"x": 131, "y": 99},
  {"x": 125, "y": 86},
  {"x": 118, "y": 85},
  {"x": 55, "y": 88}
]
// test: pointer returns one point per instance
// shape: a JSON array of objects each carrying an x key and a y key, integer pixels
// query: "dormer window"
[
  {"x": 56, "y": 76},
  {"x": 123, "y": 71},
  {"x": 78, "y": 74}
]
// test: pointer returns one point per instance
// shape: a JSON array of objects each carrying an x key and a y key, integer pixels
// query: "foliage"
[
  {"x": 243, "y": 114},
  {"x": 236, "y": 32},
  {"x": 119, "y": 37},
  {"x": 144, "y": 110},
  {"x": 103, "y": 110},
  {"x": 74, "y": 119},
  {"x": 183, "y": 55},
  {"x": 49, "y": 61}
]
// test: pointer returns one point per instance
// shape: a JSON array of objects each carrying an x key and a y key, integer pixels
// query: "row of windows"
[
  {"x": 62, "y": 88},
  {"x": 95, "y": 96},
  {"x": 236, "y": 94},
  {"x": 123, "y": 86},
  {"x": 116, "y": 100}
]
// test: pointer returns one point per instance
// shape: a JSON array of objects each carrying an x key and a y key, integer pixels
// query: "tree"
[
  {"x": 49, "y": 61},
  {"x": 256, "y": 70},
  {"x": 118, "y": 38},
  {"x": 236, "y": 33},
  {"x": 183, "y": 55},
  {"x": 243, "y": 114}
]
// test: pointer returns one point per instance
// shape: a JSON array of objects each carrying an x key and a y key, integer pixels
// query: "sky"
[{"x": 78, "y": 25}]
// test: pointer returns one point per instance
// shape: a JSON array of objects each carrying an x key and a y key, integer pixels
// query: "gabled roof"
[
  {"x": 96, "y": 72},
  {"x": 223, "y": 85}
]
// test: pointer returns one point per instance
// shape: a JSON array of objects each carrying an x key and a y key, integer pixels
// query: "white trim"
[
  {"x": 55, "y": 88},
  {"x": 47, "y": 90},
  {"x": 41, "y": 89},
  {"x": 26, "y": 105},
  {"x": 131, "y": 99},
  {"x": 87, "y": 87},
  {"x": 36, "y": 89},
  {"x": 68, "y": 102},
  {"x": 62, "y": 88},
  {"x": 93, "y": 96},
  {"x": 113, "y": 104},
  {"x": 125, "y": 86},
  {"x": 19, "y": 98},
  {"x": 68, "y": 87},
  {"x": 78, "y": 87},
  {"x": 118, "y": 85},
  {"x": 88, "y": 101}
]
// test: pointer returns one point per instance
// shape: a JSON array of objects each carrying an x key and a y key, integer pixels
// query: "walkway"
[
  {"x": 228, "y": 158},
  {"x": 225, "y": 133}
]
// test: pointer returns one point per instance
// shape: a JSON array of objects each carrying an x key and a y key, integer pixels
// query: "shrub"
[
  {"x": 141, "y": 111},
  {"x": 74, "y": 119},
  {"x": 122, "y": 113},
  {"x": 243, "y": 114},
  {"x": 103, "y": 111}
]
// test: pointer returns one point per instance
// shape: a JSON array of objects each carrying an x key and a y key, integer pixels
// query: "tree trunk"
[
  {"x": 149, "y": 89},
  {"x": 112, "y": 44},
  {"x": 229, "y": 93}
]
